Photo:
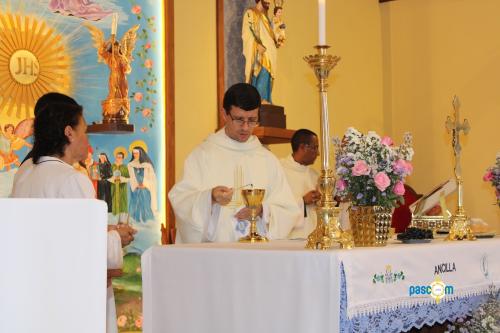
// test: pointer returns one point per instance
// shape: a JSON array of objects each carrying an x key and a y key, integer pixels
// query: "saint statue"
[
  {"x": 118, "y": 56},
  {"x": 260, "y": 44}
]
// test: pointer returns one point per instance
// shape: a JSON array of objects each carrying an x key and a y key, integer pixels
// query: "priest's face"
[
  {"x": 240, "y": 123},
  {"x": 311, "y": 151}
]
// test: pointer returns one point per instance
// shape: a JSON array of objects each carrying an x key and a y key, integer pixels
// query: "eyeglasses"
[
  {"x": 312, "y": 147},
  {"x": 240, "y": 122}
]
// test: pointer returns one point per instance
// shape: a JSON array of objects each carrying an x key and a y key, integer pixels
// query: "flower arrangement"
[
  {"x": 371, "y": 170},
  {"x": 486, "y": 318},
  {"x": 493, "y": 175}
]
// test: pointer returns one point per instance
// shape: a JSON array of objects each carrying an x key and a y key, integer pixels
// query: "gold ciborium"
[{"x": 253, "y": 199}]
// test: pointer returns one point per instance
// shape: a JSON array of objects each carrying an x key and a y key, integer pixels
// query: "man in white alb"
[
  {"x": 303, "y": 179},
  {"x": 61, "y": 141},
  {"x": 207, "y": 200}
]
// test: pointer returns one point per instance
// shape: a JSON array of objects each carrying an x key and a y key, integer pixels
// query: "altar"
[{"x": 281, "y": 287}]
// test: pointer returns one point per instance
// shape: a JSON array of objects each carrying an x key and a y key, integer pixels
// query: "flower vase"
[{"x": 370, "y": 225}]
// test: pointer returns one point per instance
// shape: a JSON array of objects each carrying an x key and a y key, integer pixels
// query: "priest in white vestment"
[
  {"x": 61, "y": 141},
  {"x": 303, "y": 179},
  {"x": 207, "y": 200}
]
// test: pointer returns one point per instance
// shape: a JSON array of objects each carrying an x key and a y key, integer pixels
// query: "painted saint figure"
[
  {"x": 10, "y": 142},
  {"x": 119, "y": 182},
  {"x": 143, "y": 186},
  {"x": 260, "y": 49},
  {"x": 103, "y": 185}
]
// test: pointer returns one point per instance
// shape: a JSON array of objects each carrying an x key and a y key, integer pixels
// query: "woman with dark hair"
[
  {"x": 103, "y": 184},
  {"x": 60, "y": 142},
  {"x": 143, "y": 186}
]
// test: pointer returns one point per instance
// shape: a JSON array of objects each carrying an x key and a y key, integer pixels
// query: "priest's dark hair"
[
  {"x": 52, "y": 117},
  {"x": 241, "y": 95},
  {"x": 301, "y": 136}
]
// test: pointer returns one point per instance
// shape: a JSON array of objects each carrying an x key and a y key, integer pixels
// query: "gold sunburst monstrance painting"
[{"x": 33, "y": 61}]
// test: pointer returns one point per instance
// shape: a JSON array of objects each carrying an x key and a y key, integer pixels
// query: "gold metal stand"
[
  {"x": 328, "y": 230},
  {"x": 253, "y": 199},
  {"x": 460, "y": 222}
]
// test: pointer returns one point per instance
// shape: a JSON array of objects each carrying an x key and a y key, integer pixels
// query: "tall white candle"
[
  {"x": 322, "y": 22},
  {"x": 114, "y": 23}
]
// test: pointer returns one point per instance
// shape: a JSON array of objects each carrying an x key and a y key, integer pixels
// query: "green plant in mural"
[{"x": 145, "y": 94}]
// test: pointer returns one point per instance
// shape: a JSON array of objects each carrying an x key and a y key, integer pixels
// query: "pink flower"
[
  {"x": 146, "y": 112},
  {"x": 488, "y": 176},
  {"x": 138, "y": 322},
  {"x": 387, "y": 141},
  {"x": 399, "y": 188},
  {"x": 148, "y": 63},
  {"x": 144, "y": 129},
  {"x": 121, "y": 321},
  {"x": 360, "y": 168},
  {"x": 136, "y": 10},
  {"x": 382, "y": 181},
  {"x": 138, "y": 96},
  {"x": 402, "y": 167},
  {"x": 341, "y": 185},
  {"x": 147, "y": 45},
  {"x": 151, "y": 83}
]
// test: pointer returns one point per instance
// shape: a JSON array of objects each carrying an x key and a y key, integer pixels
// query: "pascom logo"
[{"x": 437, "y": 289}]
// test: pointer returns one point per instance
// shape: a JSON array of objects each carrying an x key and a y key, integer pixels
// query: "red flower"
[
  {"x": 148, "y": 63},
  {"x": 138, "y": 97},
  {"x": 136, "y": 10}
]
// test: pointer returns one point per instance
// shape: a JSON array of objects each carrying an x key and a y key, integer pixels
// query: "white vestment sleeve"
[
  {"x": 191, "y": 202},
  {"x": 115, "y": 255}
]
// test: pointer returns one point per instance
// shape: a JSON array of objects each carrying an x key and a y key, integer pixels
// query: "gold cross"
[{"x": 455, "y": 127}]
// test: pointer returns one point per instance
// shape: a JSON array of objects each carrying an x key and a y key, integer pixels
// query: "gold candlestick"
[
  {"x": 328, "y": 230},
  {"x": 460, "y": 223}
]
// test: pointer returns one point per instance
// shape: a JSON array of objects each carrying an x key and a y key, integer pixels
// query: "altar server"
[{"x": 303, "y": 179}]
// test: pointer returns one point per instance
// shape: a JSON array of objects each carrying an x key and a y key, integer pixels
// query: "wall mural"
[{"x": 61, "y": 45}]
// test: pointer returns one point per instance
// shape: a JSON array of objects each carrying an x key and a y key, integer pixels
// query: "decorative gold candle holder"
[
  {"x": 328, "y": 230},
  {"x": 253, "y": 199}
]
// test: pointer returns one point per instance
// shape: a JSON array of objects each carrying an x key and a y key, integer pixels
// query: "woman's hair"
[
  {"x": 143, "y": 156},
  {"x": 51, "y": 121}
]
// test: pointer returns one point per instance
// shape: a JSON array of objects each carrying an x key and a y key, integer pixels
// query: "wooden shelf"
[{"x": 273, "y": 135}]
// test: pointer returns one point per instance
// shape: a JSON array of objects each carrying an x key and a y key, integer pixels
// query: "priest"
[
  {"x": 303, "y": 179},
  {"x": 207, "y": 200}
]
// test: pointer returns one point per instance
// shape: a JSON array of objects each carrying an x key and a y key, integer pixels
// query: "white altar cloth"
[
  {"x": 53, "y": 270},
  {"x": 281, "y": 287}
]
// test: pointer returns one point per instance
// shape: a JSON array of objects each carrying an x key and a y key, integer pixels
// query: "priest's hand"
[
  {"x": 222, "y": 195},
  {"x": 245, "y": 213},
  {"x": 311, "y": 197}
]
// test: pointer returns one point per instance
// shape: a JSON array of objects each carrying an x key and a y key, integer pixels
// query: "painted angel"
[{"x": 118, "y": 57}]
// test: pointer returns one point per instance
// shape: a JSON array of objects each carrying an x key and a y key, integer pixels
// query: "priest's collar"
[
  {"x": 220, "y": 138},
  {"x": 294, "y": 165}
]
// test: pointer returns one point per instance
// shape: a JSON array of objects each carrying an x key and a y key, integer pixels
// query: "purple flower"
[{"x": 359, "y": 196}]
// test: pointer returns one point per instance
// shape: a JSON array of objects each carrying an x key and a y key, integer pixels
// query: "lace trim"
[
  {"x": 410, "y": 302},
  {"x": 403, "y": 318}
]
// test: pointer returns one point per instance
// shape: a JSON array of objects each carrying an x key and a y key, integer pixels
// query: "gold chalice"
[{"x": 253, "y": 199}]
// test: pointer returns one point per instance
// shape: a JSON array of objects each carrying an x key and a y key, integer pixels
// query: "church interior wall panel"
[{"x": 438, "y": 49}]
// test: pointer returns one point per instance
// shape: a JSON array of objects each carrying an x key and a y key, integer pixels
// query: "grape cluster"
[{"x": 416, "y": 233}]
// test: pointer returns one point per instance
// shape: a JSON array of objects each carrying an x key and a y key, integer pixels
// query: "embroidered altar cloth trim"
[{"x": 379, "y": 279}]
